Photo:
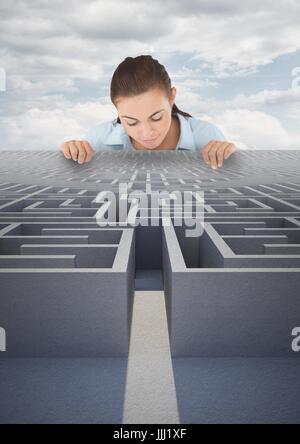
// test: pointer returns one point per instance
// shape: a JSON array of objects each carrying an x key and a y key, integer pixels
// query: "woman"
[{"x": 148, "y": 118}]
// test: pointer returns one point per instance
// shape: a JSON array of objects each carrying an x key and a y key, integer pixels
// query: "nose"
[{"x": 147, "y": 132}]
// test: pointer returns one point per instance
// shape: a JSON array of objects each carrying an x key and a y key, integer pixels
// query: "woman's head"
[{"x": 140, "y": 87}]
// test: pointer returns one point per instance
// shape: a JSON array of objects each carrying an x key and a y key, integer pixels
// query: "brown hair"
[{"x": 136, "y": 75}]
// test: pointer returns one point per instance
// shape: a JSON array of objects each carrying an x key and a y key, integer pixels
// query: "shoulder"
[
  {"x": 199, "y": 125},
  {"x": 204, "y": 131},
  {"x": 105, "y": 135}
]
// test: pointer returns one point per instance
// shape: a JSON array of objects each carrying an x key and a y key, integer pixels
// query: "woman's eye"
[{"x": 154, "y": 120}]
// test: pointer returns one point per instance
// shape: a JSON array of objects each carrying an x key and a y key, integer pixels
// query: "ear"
[{"x": 173, "y": 95}]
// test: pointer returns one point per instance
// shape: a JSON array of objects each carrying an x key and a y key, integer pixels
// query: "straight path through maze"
[{"x": 67, "y": 283}]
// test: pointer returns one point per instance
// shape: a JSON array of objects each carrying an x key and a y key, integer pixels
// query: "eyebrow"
[{"x": 133, "y": 118}]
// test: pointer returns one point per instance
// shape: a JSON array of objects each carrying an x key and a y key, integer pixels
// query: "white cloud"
[
  {"x": 191, "y": 78},
  {"x": 242, "y": 41},
  {"x": 21, "y": 85},
  {"x": 233, "y": 37},
  {"x": 46, "y": 46},
  {"x": 267, "y": 98},
  {"x": 255, "y": 130},
  {"x": 38, "y": 128}
]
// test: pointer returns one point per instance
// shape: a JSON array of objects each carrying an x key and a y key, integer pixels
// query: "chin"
[{"x": 154, "y": 147}]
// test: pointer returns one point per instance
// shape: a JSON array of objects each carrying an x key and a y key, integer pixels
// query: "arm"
[
  {"x": 212, "y": 143},
  {"x": 83, "y": 150},
  {"x": 95, "y": 139},
  {"x": 215, "y": 152}
]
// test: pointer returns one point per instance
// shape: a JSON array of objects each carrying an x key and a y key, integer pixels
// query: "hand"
[
  {"x": 78, "y": 150},
  {"x": 216, "y": 151}
]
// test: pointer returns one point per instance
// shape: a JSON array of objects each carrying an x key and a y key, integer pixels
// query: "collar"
[{"x": 118, "y": 135}]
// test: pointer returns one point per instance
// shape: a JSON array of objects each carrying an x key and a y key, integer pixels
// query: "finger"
[
  {"x": 205, "y": 151},
  {"x": 220, "y": 153},
  {"x": 66, "y": 150},
  {"x": 81, "y": 151},
  {"x": 88, "y": 149},
  {"x": 229, "y": 150},
  {"x": 213, "y": 154},
  {"x": 73, "y": 150}
]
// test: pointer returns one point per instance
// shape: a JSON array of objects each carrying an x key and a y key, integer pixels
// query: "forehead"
[{"x": 144, "y": 103}]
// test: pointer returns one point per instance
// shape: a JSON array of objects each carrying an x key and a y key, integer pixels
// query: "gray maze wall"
[{"x": 67, "y": 283}]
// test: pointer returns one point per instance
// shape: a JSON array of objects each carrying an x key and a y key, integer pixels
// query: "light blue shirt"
[{"x": 194, "y": 135}]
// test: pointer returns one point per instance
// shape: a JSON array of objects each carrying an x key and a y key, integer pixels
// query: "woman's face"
[{"x": 147, "y": 117}]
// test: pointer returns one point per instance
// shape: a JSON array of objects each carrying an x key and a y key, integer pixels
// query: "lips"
[{"x": 149, "y": 141}]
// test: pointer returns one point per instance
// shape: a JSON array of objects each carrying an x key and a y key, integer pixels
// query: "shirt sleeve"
[
  {"x": 204, "y": 132},
  {"x": 97, "y": 134}
]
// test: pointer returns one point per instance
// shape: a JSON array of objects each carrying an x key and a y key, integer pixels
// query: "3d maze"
[{"x": 67, "y": 282}]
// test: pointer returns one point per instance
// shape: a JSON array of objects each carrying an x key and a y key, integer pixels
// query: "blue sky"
[{"x": 230, "y": 61}]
